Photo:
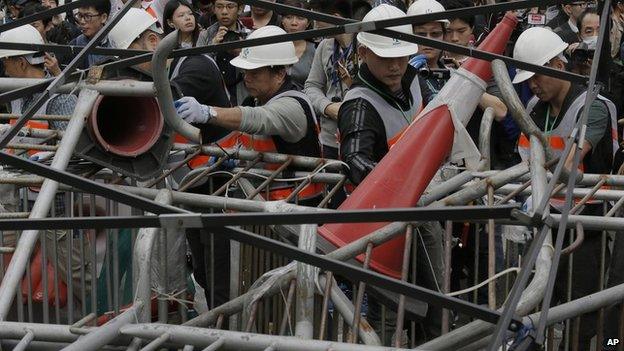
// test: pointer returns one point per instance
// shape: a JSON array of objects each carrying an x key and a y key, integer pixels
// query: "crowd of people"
[{"x": 347, "y": 97}]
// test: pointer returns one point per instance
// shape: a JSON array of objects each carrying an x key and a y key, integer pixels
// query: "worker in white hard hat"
[
  {"x": 428, "y": 60},
  {"x": 276, "y": 117},
  {"x": 197, "y": 77},
  {"x": 555, "y": 109},
  {"x": 427, "y": 56},
  {"x": 31, "y": 64},
  {"x": 383, "y": 100}
]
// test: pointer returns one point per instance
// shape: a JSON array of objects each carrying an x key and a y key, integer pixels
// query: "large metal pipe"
[
  {"x": 163, "y": 89},
  {"x": 104, "y": 87},
  {"x": 201, "y": 337},
  {"x": 485, "y": 136},
  {"x": 603, "y": 194},
  {"x": 345, "y": 307},
  {"x": 142, "y": 261},
  {"x": 125, "y": 126},
  {"x": 44, "y": 201},
  {"x": 306, "y": 276},
  {"x": 589, "y": 179},
  {"x": 108, "y": 332}
]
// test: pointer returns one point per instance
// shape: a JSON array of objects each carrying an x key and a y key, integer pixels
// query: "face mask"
[{"x": 591, "y": 40}]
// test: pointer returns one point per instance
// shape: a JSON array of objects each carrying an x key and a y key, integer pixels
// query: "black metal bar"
[
  {"x": 70, "y": 49},
  {"x": 41, "y": 15},
  {"x": 87, "y": 185},
  {"x": 460, "y": 213},
  {"x": 368, "y": 276},
  {"x": 60, "y": 79}
]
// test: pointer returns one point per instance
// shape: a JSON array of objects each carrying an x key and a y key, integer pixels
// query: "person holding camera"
[
  {"x": 227, "y": 28},
  {"x": 428, "y": 61},
  {"x": 582, "y": 52}
]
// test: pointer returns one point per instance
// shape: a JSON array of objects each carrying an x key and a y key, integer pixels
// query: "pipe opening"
[{"x": 125, "y": 126}]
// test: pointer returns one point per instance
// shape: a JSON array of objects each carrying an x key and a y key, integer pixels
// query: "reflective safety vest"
[
  {"x": 394, "y": 119},
  {"x": 559, "y": 134},
  {"x": 557, "y": 137},
  {"x": 230, "y": 140},
  {"x": 308, "y": 146}
]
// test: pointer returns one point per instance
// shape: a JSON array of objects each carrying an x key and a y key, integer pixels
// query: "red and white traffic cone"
[{"x": 402, "y": 175}]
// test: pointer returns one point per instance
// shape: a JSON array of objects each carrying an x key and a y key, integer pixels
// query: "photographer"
[
  {"x": 582, "y": 51},
  {"x": 227, "y": 28},
  {"x": 428, "y": 61}
]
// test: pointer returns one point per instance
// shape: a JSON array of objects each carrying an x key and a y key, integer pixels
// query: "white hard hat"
[
  {"x": 536, "y": 45},
  {"x": 25, "y": 34},
  {"x": 423, "y": 7},
  {"x": 386, "y": 46},
  {"x": 131, "y": 26},
  {"x": 277, "y": 54}
]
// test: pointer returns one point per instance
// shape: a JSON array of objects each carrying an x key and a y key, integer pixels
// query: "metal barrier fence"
[{"x": 87, "y": 265}]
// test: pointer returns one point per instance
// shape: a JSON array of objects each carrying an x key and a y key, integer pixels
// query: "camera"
[
  {"x": 582, "y": 55},
  {"x": 441, "y": 74}
]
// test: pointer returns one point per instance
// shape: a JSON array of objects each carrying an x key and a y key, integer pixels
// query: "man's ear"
[
  {"x": 362, "y": 51},
  {"x": 104, "y": 18},
  {"x": 22, "y": 63},
  {"x": 152, "y": 41}
]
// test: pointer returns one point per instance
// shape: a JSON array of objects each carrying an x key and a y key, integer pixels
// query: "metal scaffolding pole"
[
  {"x": 104, "y": 87},
  {"x": 44, "y": 201},
  {"x": 108, "y": 332},
  {"x": 306, "y": 276},
  {"x": 201, "y": 337},
  {"x": 142, "y": 262}
]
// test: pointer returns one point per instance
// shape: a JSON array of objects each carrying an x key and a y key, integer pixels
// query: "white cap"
[
  {"x": 25, "y": 34},
  {"x": 385, "y": 46},
  {"x": 537, "y": 45},
  {"x": 278, "y": 54},
  {"x": 131, "y": 26},
  {"x": 423, "y": 7}
]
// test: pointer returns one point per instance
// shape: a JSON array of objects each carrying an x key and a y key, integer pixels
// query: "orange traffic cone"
[{"x": 403, "y": 174}]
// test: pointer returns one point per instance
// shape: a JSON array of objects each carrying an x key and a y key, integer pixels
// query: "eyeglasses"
[
  {"x": 227, "y": 6},
  {"x": 87, "y": 17},
  {"x": 434, "y": 35}
]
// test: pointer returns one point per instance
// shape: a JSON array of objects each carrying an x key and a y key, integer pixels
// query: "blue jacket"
[{"x": 88, "y": 60}]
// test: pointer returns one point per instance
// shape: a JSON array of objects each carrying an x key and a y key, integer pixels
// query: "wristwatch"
[{"x": 212, "y": 113}]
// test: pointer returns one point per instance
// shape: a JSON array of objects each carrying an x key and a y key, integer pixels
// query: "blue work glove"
[
  {"x": 41, "y": 156},
  {"x": 418, "y": 61},
  {"x": 226, "y": 165},
  {"x": 191, "y": 110}
]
